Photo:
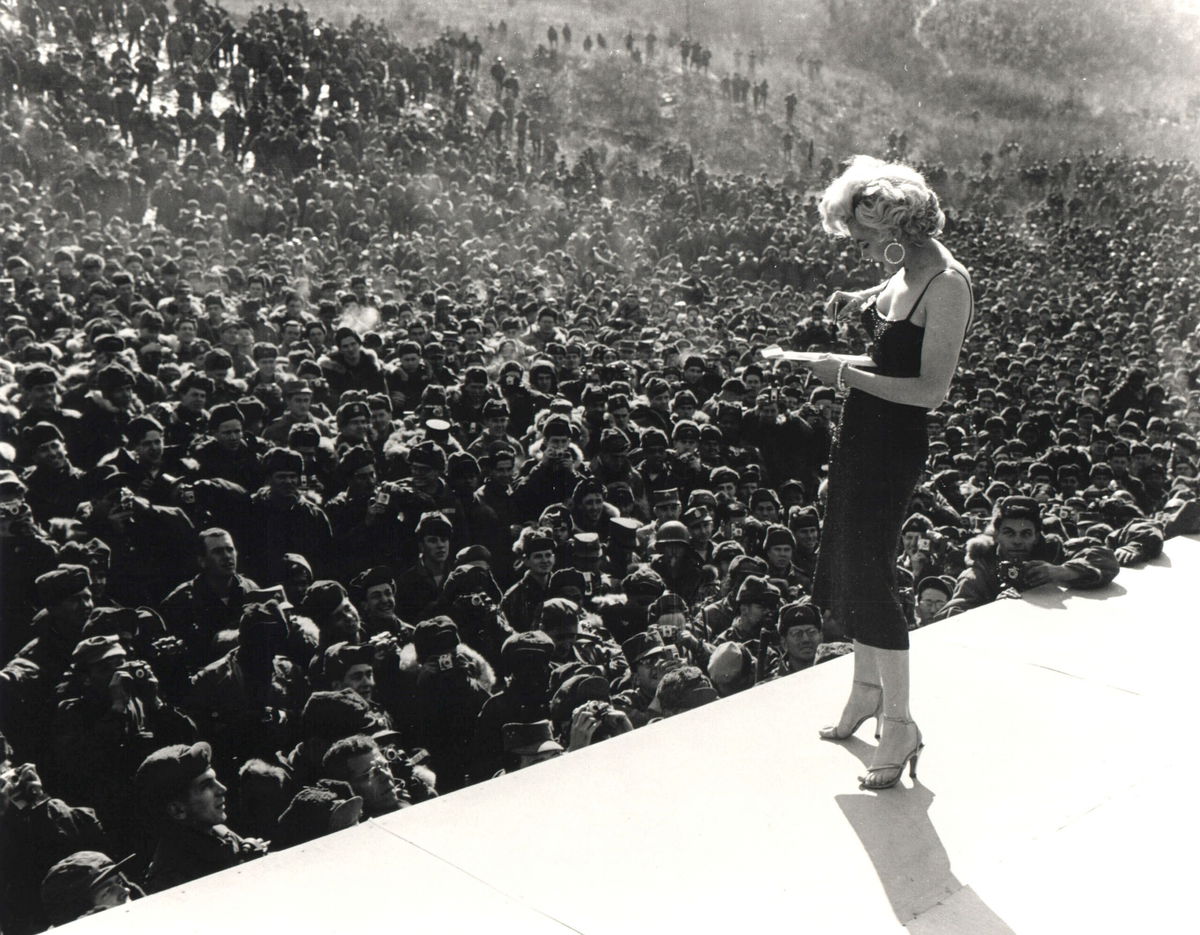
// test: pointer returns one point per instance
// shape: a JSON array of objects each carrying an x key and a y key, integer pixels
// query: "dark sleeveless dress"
[{"x": 878, "y": 457}]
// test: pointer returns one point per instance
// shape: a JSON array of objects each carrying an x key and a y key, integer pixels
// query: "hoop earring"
[{"x": 888, "y": 249}]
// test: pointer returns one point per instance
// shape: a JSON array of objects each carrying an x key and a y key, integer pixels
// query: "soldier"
[{"x": 185, "y": 808}]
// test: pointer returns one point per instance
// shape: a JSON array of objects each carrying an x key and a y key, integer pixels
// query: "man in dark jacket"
[
  {"x": 199, "y": 609},
  {"x": 185, "y": 801},
  {"x": 1013, "y": 555},
  {"x": 282, "y": 521},
  {"x": 351, "y": 367}
]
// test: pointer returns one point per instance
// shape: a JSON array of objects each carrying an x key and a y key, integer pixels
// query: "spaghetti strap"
[{"x": 970, "y": 291}]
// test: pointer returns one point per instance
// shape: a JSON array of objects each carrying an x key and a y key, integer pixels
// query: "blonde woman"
[{"x": 917, "y": 318}]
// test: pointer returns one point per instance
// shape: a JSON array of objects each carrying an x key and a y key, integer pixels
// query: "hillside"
[{"x": 960, "y": 77}]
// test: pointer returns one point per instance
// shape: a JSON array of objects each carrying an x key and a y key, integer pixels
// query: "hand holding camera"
[{"x": 21, "y": 787}]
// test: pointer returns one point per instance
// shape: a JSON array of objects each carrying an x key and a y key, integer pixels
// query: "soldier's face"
[
  {"x": 801, "y": 642},
  {"x": 436, "y": 548},
  {"x": 541, "y": 563},
  {"x": 592, "y": 506},
  {"x": 285, "y": 484},
  {"x": 381, "y": 601},
  {"x": 360, "y": 679},
  {"x": 205, "y": 802},
  {"x": 371, "y": 777},
  {"x": 51, "y": 455},
  {"x": 1015, "y": 539},
  {"x": 43, "y": 396}
]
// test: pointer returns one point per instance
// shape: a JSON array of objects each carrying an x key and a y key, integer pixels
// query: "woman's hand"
[
  {"x": 841, "y": 305},
  {"x": 824, "y": 368}
]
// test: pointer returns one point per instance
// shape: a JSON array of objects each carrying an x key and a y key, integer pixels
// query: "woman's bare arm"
[{"x": 947, "y": 307}]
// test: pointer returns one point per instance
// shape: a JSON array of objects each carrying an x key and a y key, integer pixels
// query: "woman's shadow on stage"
[{"x": 913, "y": 866}]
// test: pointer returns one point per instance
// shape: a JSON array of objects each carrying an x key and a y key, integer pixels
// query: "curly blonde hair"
[{"x": 884, "y": 196}]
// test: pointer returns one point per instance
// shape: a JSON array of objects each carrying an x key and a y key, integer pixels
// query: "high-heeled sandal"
[
  {"x": 890, "y": 774},
  {"x": 831, "y": 733}
]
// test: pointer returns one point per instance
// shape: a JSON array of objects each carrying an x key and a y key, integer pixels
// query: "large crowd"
[{"x": 358, "y": 444}]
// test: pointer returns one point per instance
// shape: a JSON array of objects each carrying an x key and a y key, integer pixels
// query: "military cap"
[
  {"x": 672, "y": 531},
  {"x": 94, "y": 553},
  {"x": 685, "y": 688},
  {"x": 264, "y": 350},
  {"x": 667, "y": 603},
  {"x": 112, "y": 378},
  {"x": 587, "y": 486},
  {"x": 559, "y": 612},
  {"x": 434, "y": 523},
  {"x": 428, "y": 453},
  {"x": 762, "y": 494},
  {"x": 664, "y": 495},
  {"x": 494, "y": 408},
  {"x": 529, "y": 739},
  {"x": 804, "y": 517},
  {"x": 758, "y": 590},
  {"x": 332, "y": 715},
  {"x": 796, "y": 613},
  {"x": 574, "y": 691},
  {"x": 711, "y": 433},
  {"x": 461, "y": 464},
  {"x": 686, "y": 430},
  {"x": 585, "y": 543},
  {"x": 340, "y": 658},
  {"x": 355, "y": 458},
  {"x": 61, "y": 583},
  {"x": 118, "y": 621},
  {"x": 140, "y": 427},
  {"x": 355, "y": 409},
  {"x": 613, "y": 442},
  {"x": 436, "y": 639},
  {"x": 643, "y": 580},
  {"x": 70, "y": 885},
  {"x": 95, "y": 649},
  {"x": 303, "y": 435},
  {"x": 166, "y": 774},
  {"x": 729, "y": 663},
  {"x": 283, "y": 459},
  {"x": 977, "y": 501},
  {"x": 316, "y": 811},
  {"x": 371, "y": 578},
  {"x": 293, "y": 386},
  {"x": 537, "y": 540},
  {"x": 38, "y": 375},
  {"x": 728, "y": 551},
  {"x": 473, "y": 553},
  {"x": 529, "y": 647},
  {"x": 722, "y": 475},
  {"x": 695, "y": 516},
  {"x": 654, "y": 438},
  {"x": 109, "y": 344},
  {"x": 779, "y": 535},
  {"x": 225, "y": 412},
  {"x": 557, "y": 426},
  {"x": 643, "y": 646},
  {"x": 938, "y": 582},
  {"x": 469, "y": 579},
  {"x": 566, "y": 581},
  {"x": 36, "y": 435},
  {"x": 1019, "y": 508},
  {"x": 622, "y": 532},
  {"x": 217, "y": 359}
]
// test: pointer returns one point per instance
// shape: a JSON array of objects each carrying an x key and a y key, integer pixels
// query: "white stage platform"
[{"x": 1056, "y": 794}]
